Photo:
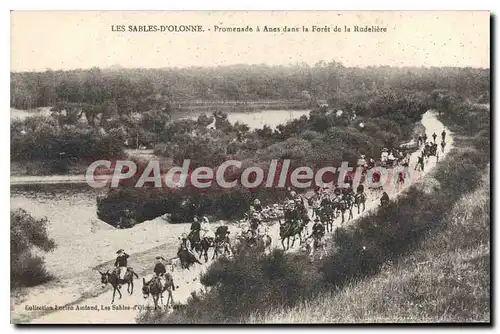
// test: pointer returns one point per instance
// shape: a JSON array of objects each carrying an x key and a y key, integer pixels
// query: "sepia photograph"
[{"x": 250, "y": 167}]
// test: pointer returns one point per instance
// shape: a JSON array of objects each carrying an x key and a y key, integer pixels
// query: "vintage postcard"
[{"x": 251, "y": 167}]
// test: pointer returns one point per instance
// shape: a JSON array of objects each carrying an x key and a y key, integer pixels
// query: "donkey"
[
  {"x": 155, "y": 289},
  {"x": 114, "y": 280}
]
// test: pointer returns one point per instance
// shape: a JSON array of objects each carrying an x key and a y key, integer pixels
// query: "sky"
[{"x": 69, "y": 40}]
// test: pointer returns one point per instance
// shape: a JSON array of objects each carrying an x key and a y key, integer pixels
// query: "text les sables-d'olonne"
[{"x": 247, "y": 28}]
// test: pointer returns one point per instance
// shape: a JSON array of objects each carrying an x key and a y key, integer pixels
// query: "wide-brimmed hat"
[
  {"x": 385, "y": 149},
  {"x": 160, "y": 258},
  {"x": 120, "y": 251}
]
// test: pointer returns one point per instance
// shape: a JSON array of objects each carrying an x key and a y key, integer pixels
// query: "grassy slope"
[{"x": 446, "y": 279}]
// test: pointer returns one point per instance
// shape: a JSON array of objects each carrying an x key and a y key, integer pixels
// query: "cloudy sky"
[{"x": 69, "y": 40}]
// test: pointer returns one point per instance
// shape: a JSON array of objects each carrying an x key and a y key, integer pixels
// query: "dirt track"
[{"x": 128, "y": 307}]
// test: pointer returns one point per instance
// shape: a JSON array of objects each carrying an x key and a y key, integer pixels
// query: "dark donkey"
[
  {"x": 201, "y": 245},
  {"x": 360, "y": 197},
  {"x": 155, "y": 289},
  {"x": 290, "y": 229},
  {"x": 114, "y": 280}
]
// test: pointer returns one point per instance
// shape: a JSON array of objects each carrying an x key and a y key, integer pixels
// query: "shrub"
[{"x": 26, "y": 233}]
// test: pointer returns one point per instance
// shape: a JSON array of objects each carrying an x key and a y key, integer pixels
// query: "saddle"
[{"x": 117, "y": 272}]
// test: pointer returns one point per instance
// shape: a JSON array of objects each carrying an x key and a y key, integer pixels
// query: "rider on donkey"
[
  {"x": 195, "y": 229},
  {"x": 257, "y": 205},
  {"x": 159, "y": 271},
  {"x": 121, "y": 264},
  {"x": 420, "y": 162},
  {"x": 207, "y": 231},
  {"x": 222, "y": 234},
  {"x": 371, "y": 163},
  {"x": 391, "y": 158},
  {"x": 384, "y": 156},
  {"x": 362, "y": 161},
  {"x": 318, "y": 230},
  {"x": 384, "y": 200},
  {"x": 316, "y": 204},
  {"x": 301, "y": 210},
  {"x": 254, "y": 224},
  {"x": 348, "y": 195},
  {"x": 185, "y": 245}
]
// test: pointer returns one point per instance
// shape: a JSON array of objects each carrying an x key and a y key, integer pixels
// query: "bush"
[
  {"x": 26, "y": 233},
  {"x": 27, "y": 270},
  {"x": 40, "y": 138}
]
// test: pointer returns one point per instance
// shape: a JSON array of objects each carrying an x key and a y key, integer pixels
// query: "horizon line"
[{"x": 118, "y": 67}]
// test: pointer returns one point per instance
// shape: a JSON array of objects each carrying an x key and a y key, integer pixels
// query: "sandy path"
[{"x": 127, "y": 309}]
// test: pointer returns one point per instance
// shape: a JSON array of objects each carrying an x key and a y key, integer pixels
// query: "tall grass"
[{"x": 447, "y": 279}]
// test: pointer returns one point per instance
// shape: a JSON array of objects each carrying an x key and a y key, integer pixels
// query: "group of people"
[
  {"x": 422, "y": 138},
  {"x": 159, "y": 269},
  {"x": 392, "y": 156},
  {"x": 200, "y": 230},
  {"x": 294, "y": 208},
  {"x": 389, "y": 157},
  {"x": 429, "y": 148},
  {"x": 270, "y": 213}
]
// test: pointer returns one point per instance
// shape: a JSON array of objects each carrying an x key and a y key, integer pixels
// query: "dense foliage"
[
  {"x": 145, "y": 89},
  {"x": 26, "y": 234}
]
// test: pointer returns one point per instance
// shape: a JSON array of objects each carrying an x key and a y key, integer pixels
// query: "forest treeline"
[{"x": 143, "y": 89}]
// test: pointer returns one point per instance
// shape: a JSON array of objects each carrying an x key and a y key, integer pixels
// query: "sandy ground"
[{"x": 144, "y": 242}]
